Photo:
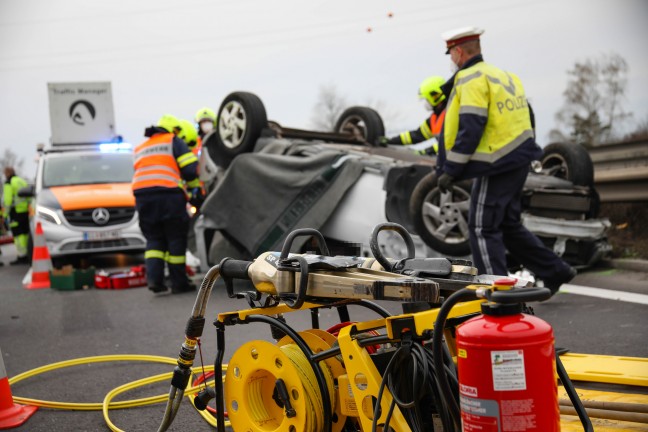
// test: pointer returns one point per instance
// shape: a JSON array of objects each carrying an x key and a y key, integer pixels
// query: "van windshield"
[{"x": 75, "y": 169}]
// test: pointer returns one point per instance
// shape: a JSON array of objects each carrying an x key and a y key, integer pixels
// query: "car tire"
[
  {"x": 241, "y": 118},
  {"x": 570, "y": 162},
  {"x": 364, "y": 123},
  {"x": 442, "y": 226}
]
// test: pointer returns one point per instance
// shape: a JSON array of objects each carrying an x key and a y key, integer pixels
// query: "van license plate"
[{"x": 102, "y": 235}]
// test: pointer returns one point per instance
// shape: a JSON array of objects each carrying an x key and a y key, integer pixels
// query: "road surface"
[{"x": 39, "y": 327}]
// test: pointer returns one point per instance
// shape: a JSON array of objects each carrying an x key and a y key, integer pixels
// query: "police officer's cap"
[{"x": 461, "y": 35}]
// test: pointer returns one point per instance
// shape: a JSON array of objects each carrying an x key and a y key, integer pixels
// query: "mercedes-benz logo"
[{"x": 100, "y": 216}]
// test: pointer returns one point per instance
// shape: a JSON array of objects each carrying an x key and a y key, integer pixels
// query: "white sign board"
[{"x": 81, "y": 113}]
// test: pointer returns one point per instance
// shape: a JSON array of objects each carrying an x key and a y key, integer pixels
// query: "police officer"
[
  {"x": 161, "y": 164},
  {"x": 488, "y": 135},
  {"x": 17, "y": 210},
  {"x": 434, "y": 100}
]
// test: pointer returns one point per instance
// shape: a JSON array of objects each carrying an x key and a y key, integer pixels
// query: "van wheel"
[
  {"x": 365, "y": 124},
  {"x": 241, "y": 118},
  {"x": 441, "y": 220}
]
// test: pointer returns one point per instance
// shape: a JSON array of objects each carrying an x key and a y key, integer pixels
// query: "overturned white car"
[{"x": 273, "y": 180}]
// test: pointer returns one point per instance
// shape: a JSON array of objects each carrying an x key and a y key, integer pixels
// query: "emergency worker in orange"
[
  {"x": 161, "y": 164},
  {"x": 190, "y": 136},
  {"x": 434, "y": 100}
]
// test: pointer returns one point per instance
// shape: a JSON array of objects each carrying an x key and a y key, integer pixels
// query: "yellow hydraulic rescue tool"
[{"x": 389, "y": 373}]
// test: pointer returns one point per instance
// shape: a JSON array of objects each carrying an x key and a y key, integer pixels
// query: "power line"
[{"x": 331, "y": 28}]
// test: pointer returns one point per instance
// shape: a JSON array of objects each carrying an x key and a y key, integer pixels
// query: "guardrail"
[{"x": 621, "y": 171}]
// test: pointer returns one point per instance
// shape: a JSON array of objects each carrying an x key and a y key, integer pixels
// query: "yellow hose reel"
[{"x": 252, "y": 381}]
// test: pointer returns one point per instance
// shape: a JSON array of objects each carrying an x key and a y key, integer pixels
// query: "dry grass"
[{"x": 629, "y": 232}]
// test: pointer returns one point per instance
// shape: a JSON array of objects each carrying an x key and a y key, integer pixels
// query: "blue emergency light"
[{"x": 115, "y": 147}]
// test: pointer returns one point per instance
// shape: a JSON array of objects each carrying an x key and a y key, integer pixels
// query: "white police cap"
[{"x": 461, "y": 35}]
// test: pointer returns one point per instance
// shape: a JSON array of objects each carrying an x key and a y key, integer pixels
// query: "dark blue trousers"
[
  {"x": 164, "y": 221},
  {"x": 496, "y": 226}
]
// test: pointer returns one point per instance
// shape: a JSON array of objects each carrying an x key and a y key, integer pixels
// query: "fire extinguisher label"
[
  {"x": 508, "y": 370},
  {"x": 479, "y": 415}
]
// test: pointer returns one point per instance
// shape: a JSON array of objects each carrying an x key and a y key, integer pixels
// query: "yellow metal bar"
[
  {"x": 606, "y": 369},
  {"x": 364, "y": 380},
  {"x": 571, "y": 423},
  {"x": 425, "y": 320},
  {"x": 279, "y": 309}
]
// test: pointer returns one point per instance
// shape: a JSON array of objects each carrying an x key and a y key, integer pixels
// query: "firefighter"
[
  {"x": 488, "y": 135},
  {"x": 161, "y": 164},
  {"x": 190, "y": 136},
  {"x": 16, "y": 210},
  {"x": 434, "y": 100},
  {"x": 206, "y": 120}
]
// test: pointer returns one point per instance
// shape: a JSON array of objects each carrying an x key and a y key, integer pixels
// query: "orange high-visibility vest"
[
  {"x": 155, "y": 165},
  {"x": 196, "y": 149},
  {"x": 436, "y": 122}
]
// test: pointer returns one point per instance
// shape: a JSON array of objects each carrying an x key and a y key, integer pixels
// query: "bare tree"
[
  {"x": 10, "y": 159},
  {"x": 330, "y": 105},
  {"x": 328, "y": 108},
  {"x": 593, "y": 111},
  {"x": 640, "y": 132}
]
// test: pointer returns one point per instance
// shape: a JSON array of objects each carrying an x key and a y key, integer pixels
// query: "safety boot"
[{"x": 554, "y": 283}]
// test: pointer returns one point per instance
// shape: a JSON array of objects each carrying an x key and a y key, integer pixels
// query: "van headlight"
[{"x": 48, "y": 214}]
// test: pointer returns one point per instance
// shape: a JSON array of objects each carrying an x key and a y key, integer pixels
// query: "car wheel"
[
  {"x": 365, "y": 124},
  {"x": 241, "y": 118},
  {"x": 441, "y": 219},
  {"x": 570, "y": 162}
]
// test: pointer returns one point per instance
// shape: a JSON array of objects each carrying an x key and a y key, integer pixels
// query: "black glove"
[
  {"x": 197, "y": 197},
  {"x": 382, "y": 141},
  {"x": 445, "y": 182}
]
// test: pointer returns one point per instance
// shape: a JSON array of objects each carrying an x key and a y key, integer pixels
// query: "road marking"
[{"x": 604, "y": 293}]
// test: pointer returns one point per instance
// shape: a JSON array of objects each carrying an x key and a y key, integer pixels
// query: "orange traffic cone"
[
  {"x": 41, "y": 262},
  {"x": 11, "y": 415}
]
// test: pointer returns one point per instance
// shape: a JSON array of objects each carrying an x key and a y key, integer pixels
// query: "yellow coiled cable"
[{"x": 107, "y": 403}]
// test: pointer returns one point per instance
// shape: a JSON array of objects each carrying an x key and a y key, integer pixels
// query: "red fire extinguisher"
[{"x": 507, "y": 367}]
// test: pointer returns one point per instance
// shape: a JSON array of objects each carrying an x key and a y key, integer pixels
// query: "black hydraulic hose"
[
  {"x": 374, "y": 307},
  {"x": 573, "y": 396},
  {"x": 193, "y": 332},
  {"x": 218, "y": 383},
  {"x": 437, "y": 351}
]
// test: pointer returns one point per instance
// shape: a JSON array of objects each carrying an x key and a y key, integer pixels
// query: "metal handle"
[
  {"x": 390, "y": 226},
  {"x": 302, "y": 232}
]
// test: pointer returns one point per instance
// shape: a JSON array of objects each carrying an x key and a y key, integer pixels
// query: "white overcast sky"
[{"x": 170, "y": 56}]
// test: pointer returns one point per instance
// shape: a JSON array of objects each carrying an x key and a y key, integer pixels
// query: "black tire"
[
  {"x": 428, "y": 216},
  {"x": 365, "y": 124},
  {"x": 241, "y": 118},
  {"x": 570, "y": 162}
]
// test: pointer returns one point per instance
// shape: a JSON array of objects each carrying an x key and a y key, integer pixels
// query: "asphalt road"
[{"x": 39, "y": 327}]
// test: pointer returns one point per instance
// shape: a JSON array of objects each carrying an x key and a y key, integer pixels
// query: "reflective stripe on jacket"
[
  {"x": 487, "y": 120},
  {"x": 430, "y": 128},
  {"x": 155, "y": 165}
]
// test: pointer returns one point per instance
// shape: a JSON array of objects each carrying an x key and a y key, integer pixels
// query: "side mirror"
[{"x": 27, "y": 192}]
